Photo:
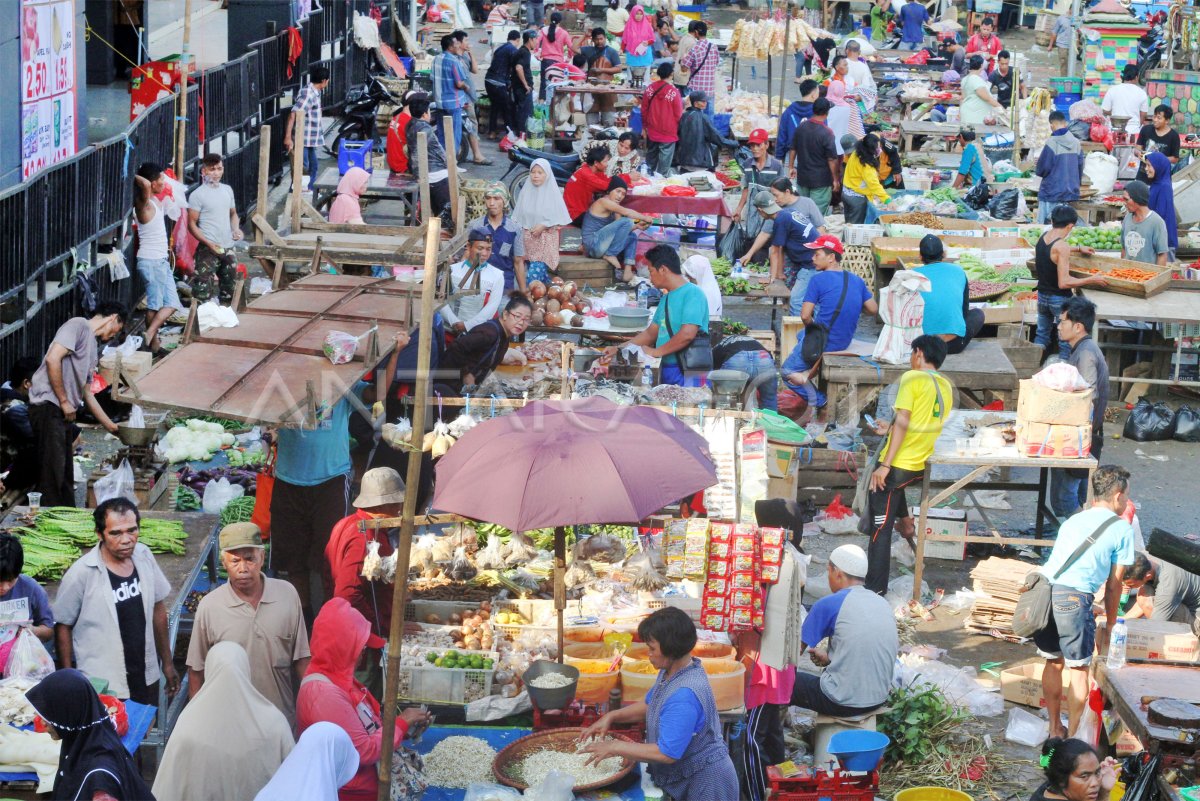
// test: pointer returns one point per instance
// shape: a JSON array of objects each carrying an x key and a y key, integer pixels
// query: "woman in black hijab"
[{"x": 93, "y": 761}]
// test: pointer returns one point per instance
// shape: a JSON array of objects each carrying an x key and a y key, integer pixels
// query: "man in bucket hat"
[
  {"x": 260, "y": 614},
  {"x": 381, "y": 495},
  {"x": 508, "y": 243}
]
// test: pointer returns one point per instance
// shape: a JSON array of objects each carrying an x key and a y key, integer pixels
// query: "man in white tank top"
[{"x": 153, "y": 257}]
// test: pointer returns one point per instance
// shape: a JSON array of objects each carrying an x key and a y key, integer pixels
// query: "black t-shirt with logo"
[
  {"x": 1004, "y": 86},
  {"x": 131, "y": 619},
  {"x": 1151, "y": 141}
]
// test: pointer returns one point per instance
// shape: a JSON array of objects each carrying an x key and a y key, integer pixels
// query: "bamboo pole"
[
  {"x": 433, "y": 235},
  {"x": 181, "y": 116},
  {"x": 297, "y": 173},
  {"x": 264, "y": 176},
  {"x": 456, "y": 213},
  {"x": 423, "y": 167},
  {"x": 560, "y": 587},
  {"x": 787, "y": 37}
]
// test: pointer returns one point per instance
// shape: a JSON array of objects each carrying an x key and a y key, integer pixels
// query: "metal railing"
[{"x": 58, "y": 223}]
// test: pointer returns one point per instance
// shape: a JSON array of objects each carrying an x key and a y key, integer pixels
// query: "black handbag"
[
  {"x": 816, "y": 335},
  {"x": 697, "y": 357},
  {"x": 1033, "y": 607}
]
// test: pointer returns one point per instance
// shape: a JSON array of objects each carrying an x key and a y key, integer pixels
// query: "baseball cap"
[
  {"x": 758, "y": 136},
  {"x": 826, "y": 242},
  {"x": 240, "y": 535},
  {"x": 850, "y": 559},
  {"x": 479, "y": 235},
  {"x": 766, "y": 204},
  {"x": 931, "y": 247}
]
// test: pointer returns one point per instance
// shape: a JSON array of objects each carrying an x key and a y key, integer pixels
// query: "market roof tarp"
[
  {"x": 261, "y": 370},
  {"x": 573, "y": 462}
]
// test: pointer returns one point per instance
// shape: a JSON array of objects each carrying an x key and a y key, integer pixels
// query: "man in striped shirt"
[
  {"x": 702, "y": 61},
  {"x": 308, "y": 103}
]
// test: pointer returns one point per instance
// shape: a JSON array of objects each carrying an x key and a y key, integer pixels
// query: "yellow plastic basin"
[
  {"x": 931, "y": 794},
  {"x": 725, "y": 676}
]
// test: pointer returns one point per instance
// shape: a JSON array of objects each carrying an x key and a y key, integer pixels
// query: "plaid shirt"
[
  {"x": 447, "y": 74},
  {"x": 702, "y": 62},
  {"x": 309, "y": 102}
]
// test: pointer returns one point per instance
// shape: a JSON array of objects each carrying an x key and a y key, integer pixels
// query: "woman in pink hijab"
[
  {"x": 345, "y": 208},
  {"x": 637, "y": 42}
]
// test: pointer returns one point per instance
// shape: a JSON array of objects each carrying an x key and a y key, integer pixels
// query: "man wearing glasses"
[{"x": 475, "y": 354}]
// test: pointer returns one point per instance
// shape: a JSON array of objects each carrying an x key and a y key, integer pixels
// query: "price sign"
[{"x": 47, "y": 83}]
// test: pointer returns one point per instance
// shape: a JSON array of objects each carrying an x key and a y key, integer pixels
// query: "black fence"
[{"x": 61, "y": 221}]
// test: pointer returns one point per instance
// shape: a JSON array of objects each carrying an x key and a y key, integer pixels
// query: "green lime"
[
  {"x": 487, "y": 664},
  {"x": 439, "y": 662},
  {"x": 452, "y": 654},
  {"x": 431, "y": 657}
]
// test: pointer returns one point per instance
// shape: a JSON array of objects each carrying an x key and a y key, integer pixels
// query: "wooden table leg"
[
  {"x": 919, "y": 565},
  {"x": 1043, "y": 481}
]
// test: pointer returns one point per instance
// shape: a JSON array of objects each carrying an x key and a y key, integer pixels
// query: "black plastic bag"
[
  {"x": 978, "y": 197},
  {"x": 1187, "y": 424},
  {"x": 1004, "y": 205},
  {"x": 1150, "y": 422}
]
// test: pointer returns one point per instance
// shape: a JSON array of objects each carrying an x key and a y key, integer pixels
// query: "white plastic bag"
[
  {"x": 903, "y": 310},
  {"x": 1062, "y": 377},
  {"x": 1025, "y": 728},
  {"x": 902, "y": 552},
  {"x": 1101, "y": 169},
  {"x": 212, "y": 314},
  {"x": 557, "y": 786},
  {"x": 28, "y": 658},
  {"x": 218, "y": 494},
  {"x": 137, "y": 418},
  {"x": 117, "y": 484},
  {"x": 339, "y": 346},
  {"x": 481, "y": 791}
]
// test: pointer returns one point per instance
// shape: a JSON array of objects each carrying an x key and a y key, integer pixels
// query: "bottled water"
[
  {"x": 1116, "y": 645},
  {"x": 648, "y": 381}
]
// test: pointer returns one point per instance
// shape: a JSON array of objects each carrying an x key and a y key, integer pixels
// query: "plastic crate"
[
  {"x": 417, "y": 610},
  {"x": 861, "y": 234},
  {"x": 1067, "y": 84},
  {"x": 434, "y": 685},
  {"x": 1064, "y": 100},
  {"x": 352, "y": 153}
]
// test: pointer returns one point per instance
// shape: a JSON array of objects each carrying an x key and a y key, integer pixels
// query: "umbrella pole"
[
  {"x": 433, "y": 235},
  {"x": 560, "y": 587}
]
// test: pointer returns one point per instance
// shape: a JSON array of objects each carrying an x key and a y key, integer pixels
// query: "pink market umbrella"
[{"x": 574, "y": 462}]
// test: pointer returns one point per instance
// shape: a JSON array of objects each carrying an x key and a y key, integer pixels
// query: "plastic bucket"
[
  {"x": 931, "y": 794},
  {"x": 859, "y": 750}
]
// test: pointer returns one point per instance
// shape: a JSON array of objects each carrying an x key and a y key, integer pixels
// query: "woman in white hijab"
[
  {"x": 323, "y": 760},
  {"x": 207, "y": 758},
  {"x": 540, "y": 213},
  {"x": 698, "y": 270}
]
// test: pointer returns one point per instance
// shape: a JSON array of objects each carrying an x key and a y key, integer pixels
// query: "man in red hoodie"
[
  {"x": 381, "y": 495},
  {"x": 588, "y": 181},
  {"x": 662, "y": 106}
]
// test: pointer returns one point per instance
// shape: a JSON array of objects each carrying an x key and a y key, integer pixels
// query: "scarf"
[
  {"x": 345, "y": 207},
  {"x": 323, "y": 760},
  {"x": 540, "y": 205},
  {"x": 1162, "y": 198},
  {"x": 636, "y": 31},
  {"x": 207, "y": 759},
  {"x": 698, "y": 270},
  {"x": 92, "y": 758}
]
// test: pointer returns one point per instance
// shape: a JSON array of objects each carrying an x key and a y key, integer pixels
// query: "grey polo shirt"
[{"x": 85, "y": 602}]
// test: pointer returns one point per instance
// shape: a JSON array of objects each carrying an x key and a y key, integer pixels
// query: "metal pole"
[
  {"x": 181, "y": 117},
  {"x": 1073, "y": 51},
  {"x": 433, "y": 235},
  {"x": 412, "y": 21}
]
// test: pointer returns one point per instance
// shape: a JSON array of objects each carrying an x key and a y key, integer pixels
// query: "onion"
[
  {"x": 577, "y": 321},
  {"x": 486, "y": 606},
  {"x": 539, "y": 317},
  {"x": 570, "y": 288},
  {"x": 555, "y": 293},
  {"x": 483, "y": 614},
  {"x": 582, "y": 304},
  {"x": 553, "y": 318},
  {"x": 455, "y": 619},
  {"x": 471, "y": 643},
  {"x": 540, "y": 303},
  {"x": 537, "y": 289},
  {"x": 556, "y": 280},
  {"x": 433, "y": 620},
  {"x": 553, "y": 305}
]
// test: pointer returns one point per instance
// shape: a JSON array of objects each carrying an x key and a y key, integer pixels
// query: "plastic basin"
[
  {"x": 931, "y": 794},
  {"x": 555, "y": 697},
  {"x": 637, "y": 677},
  {"x": 861, "y": 750}
]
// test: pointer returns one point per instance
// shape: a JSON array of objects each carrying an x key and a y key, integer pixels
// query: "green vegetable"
[
  {"x": 1098, "y": 238},
  {"x": 943, "y": 195},
  {"x": 186, "y": 499},
  {"x": 733, "y": 286},
  {"x": 228, "y": 425},
  {"x": 919, "y": 722},
  {"x": 733, "y": 327},
  {"x": 59, "y": 533},
  {"x": 239, "y": 510},
  {"x": 722, "y": 267}
]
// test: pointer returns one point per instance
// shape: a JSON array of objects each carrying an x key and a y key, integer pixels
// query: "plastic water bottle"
[
  {"x": 1116, "y": 645},
  {"x": 648, "y": 379},
  {"x": 643, "y": 295}
]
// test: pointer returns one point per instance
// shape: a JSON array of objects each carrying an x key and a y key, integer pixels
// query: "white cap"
[{"x": 850, "y": 559}]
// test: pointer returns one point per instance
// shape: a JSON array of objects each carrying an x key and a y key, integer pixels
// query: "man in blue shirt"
[
  {"x": 799, "y": 111},
  {"x": 970, "y": 166},
  {"x": 834, "y": 299},
  {"x": 948, "y": 312},
  {"x": 681, "y": 317},
  {"x": 508, "y": 244},
  {"x": 863, "y": 642},
  {"x": 913, "y": 16},
  {"x": 791, "y": 262},
  {"x": 1060, "y": 166},
  {"x": 449, "y": 81},
  {"x": 1070, "y": 637}
]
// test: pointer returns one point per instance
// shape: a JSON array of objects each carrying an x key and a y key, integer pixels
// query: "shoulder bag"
[
  {"x": 1033, "y": 607},
  {"x": 697, "y": 357},
  {"x": 816, "y": 335}
]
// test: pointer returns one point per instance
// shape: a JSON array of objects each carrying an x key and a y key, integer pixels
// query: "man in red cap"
[
  {"x": 833, "y": 299},
  {"x": 758, "y": 175}
]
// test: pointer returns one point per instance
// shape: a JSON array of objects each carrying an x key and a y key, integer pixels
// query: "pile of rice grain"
[{"x": 457, "y": 761}]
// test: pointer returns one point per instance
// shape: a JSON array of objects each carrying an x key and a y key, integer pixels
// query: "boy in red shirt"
[
  {"x": 588, "y": 181},
  {"x": 662, "y": 107}
]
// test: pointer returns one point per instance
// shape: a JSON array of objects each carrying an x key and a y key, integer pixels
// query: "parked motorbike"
[
  {"x": 358, "y": 117},
  {"x": 1152, "y": 45},
  {"x": 562, "y": 165}
]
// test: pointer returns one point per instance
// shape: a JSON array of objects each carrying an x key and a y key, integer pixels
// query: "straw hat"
[{"x": 380, "y": 486}]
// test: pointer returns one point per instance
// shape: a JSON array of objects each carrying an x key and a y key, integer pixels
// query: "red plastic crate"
[{"x": 810, "y": 785}]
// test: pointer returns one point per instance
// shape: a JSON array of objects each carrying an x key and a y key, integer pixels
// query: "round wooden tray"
[
  {"x": 553, "y": 740},
  {"x": 989, "y": 295}
]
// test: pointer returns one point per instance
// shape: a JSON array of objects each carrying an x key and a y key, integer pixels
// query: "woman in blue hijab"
[{"x": 1162, "y": 199}]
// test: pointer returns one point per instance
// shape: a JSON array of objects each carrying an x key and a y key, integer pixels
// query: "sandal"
[{"x": 482, "y": 162}]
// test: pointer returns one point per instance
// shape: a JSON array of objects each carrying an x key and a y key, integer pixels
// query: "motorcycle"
[
  {"x": 358, "y": 117},
  {"x": 562, "y": 165},
  {"x": 1151, "y": 45}
]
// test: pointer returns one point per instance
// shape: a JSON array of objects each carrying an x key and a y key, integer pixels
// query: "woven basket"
[
  {"x": 553, "y": 740},
  {"x": 858, "y": 260},
  {"x": 473, "y": 189}
]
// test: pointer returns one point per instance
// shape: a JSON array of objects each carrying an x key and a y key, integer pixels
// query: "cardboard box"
[
  {"x": 995, "y": 315},
  {"x": 1063, "y": 442},
  {"x": 944, "y": 522},
  {"x": 1039, "y": 404},
  {"x": 134, "y": 365},
  {"x": 1157, "y": 640},
  {"x": 1023, "y": 685}
]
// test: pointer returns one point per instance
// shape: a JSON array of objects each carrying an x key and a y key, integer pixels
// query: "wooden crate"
[
  {"x": 1083, "y": 266},
  {"x": 792, "y": 326},
  {"x": 823, "y": 473},
  {"x": 888, "y": 250},
  {"x": 1025, "y": 356},
  {"x": 768, "y": 341},
  {"x": 583, "y": 270},
  {"x": 945, "y": 224}
]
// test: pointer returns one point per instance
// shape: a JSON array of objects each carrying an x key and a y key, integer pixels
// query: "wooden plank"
[
  {"x": 423, "y": 169},
  {"x": 1171, "y": 306},
  {"x": 982, "y": 366},
  {"x": 297, "y": 172},
  {"x": 264, "y": 177},
  {"x": 452, "y": 168}
]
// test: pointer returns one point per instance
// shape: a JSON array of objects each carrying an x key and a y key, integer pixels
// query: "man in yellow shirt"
[{"x": 923, "y": 403}]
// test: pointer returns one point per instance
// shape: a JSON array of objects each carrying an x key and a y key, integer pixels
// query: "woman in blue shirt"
[
  {"x": 684, "y": 746},
  {"x": 970, "y": 166}
]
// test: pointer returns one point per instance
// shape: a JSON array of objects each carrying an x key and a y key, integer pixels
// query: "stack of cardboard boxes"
[{"x": 1051, "y": 423}]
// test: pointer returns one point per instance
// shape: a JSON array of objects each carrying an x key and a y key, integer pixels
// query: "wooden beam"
[
  {"x": 412, "y": 482},
  {"x": 423, "y": 169},
  {"x": 181, "y": 98},
  {"x": 266, "y": 229},
  {"x": 264, "y": 177},
  {"x": 452, "y": 167},
  {"x": 297, "y": 169}
]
